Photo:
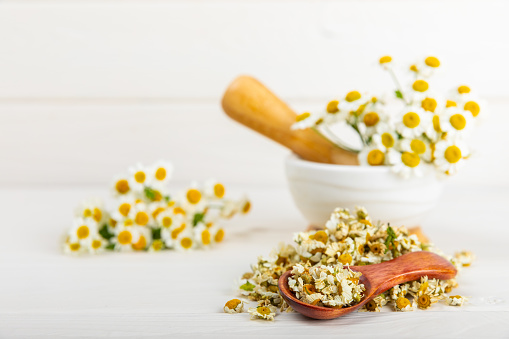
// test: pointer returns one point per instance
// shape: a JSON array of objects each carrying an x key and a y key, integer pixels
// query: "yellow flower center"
[
  {"x": 371, "y": 306},
  {"x": 193, "y": 196},
  {"x": 179, "y": 210},
  {"x": 429, "y": 104},
  {"x": 75, "y": 247},
  {"x": 139, "y": 177},
  {"x": 371, "y": 119},
  {"x": 186, "y": 242},
  {"x": 309, "y": 289},
  {"x": 420, "y": 86},
  {"x": 418, "y": 146},
  {"x": 160, "y": 173},
  {"x": 424, "y": 301},
  {"x": 463, "y": 89},
  {"x": 219, "y": 235},
  {"x": 452, "y": 154},
  {"x": 302, "y": 116},
  {"x": 205, "y": 237},
  {"x": 410, "y": 159},
  {"x": 176, "y": 232},
  {"x": 98, "y": 214},
  {"x": 157, "y": 211},
  {"x": 96, "y": 244},
  {"x": 232, "y": 304},
  {"x": 122, "y": 186},
  {"x": 473, "y": 107},
  {"x": 450, "y": 103},
  {"x": 124, "y": 209},
  {"x": 387, "y": 140},
  {"x": 352, "y": 96},
  {"x": 167, "y": 221},
  {"x": 82, "y": 232},
  {"x": 345, "y": 258},
  {"x": 376, "y": 157},
  {"x": 141, "y": 218},
  {"x": 411, "y": 120},
  {"x": 385, "y": 59},
  {"x": 458, "y": 121},
  {"x": 128, "y": 222},
  {"x": 436, "y": 123},
  {"x": 157, "y": 245},
  {"x": 263, "y": 310},
  {"x": 125, "y": 237},
  {"x": 219, "y": 190},
  {"x": 87, "y": 213},
  {"x": 432, "y": 62},
  {"x": 332, "y": 106},
  {"x": 402, "y": 302},
  {"x": 247, "y": 207},
  {"x": 320, "y": 236},
  {"x": 413, "y": 68},
  {"x": 141, "y": 244}
]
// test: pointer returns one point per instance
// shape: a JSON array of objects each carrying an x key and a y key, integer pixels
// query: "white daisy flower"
[
  {"x": 124, "y": 237},
  {"x": 139, "y": 178},
  {"x": 144, "y": 237},
  {"x": 97, "y": 244},
  {"x": 82, "y": 230},
  {"x": 408, "y": 164},
  {"x": 214, "y": 189},
  {"x": 202, "y": 235},
  {"x": 372, "y": 156},
  {"x": 120, "y": 185},
  {"x": 412, "y": 122},
  {"x": 419, "y": 146},
  {"x": 93, "y": 209},
  {"x": 73, "y": 247},
  {"x": 156, "y": 246},
  {"x": 262, "y": 312},
  {"x": 160, "y": 173},
  {"x": 307, "y": 120},
  {"x": 456, "y": 123},
  {"x": 171, "y": 234},
  {"x": 450, "y": 156},
  {"x": 140, "y": 215},
  {"x": 124, "y": 205},
  {"x": 385, "y": 138},
  {"x": 185, "y": 241},
  {"x": 372, "y": 121},
  {"x": 234, "y": 306}
]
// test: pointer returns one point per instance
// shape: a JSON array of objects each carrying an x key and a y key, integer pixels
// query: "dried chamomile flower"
[
  {"x": 403, "y": 304},
  {"x": 455, "y": 300},
  {"x": 464, "y": 258},
  {"x": 262, "y": 312},
  {"x": 375, "y": 304},
  {"x": 234, "y": 306}
]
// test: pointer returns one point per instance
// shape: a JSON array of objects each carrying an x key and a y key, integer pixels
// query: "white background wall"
[{"x": 89, "y": 87}]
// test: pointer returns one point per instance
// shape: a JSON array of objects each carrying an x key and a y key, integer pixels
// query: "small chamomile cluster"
[
  {"x": 414, "y": 132},
  {"x": 145, "y": 217},
  {"x": 316, "y": 259}
]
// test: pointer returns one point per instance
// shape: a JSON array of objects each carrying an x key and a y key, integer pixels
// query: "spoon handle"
[
  {"x": 252, "y": 104},
  {"x": 406, "y": 268}
]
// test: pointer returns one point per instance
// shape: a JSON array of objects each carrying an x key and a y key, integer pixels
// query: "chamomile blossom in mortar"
[
  {"x": 410, "y": 133},
  {"x": 146, "y": 217},
  {"x": 317, "y": 259}
]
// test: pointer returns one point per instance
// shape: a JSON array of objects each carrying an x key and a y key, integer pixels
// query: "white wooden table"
[{"x": 45, "y": 294}]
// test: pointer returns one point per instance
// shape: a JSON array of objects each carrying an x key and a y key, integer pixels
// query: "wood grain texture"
[
  {"x": 376, "y": 279},
  {"x": 252, "y": 104}
]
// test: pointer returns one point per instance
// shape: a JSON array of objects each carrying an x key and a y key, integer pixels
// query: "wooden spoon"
[
  {"x": 376, "y": 279},
  {"x": 249, "y": 102}
]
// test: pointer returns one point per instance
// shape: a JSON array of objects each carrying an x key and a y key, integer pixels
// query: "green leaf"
[
  {"x": 198, "y": 217},
  {"x": 399, "y": 94},
  {"x": 391, "y": 236},
  {"x": 156, "y": 233},
  {"x": 110, "y": 247},
  {"x": 105, "y": 233},
  {"x": 247, "y": 286},
  {"x": 150, "y": 193},
  {"x": 167, "y": 198}
]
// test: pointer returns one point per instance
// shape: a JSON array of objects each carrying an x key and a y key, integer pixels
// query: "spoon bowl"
[{"x": 377, "y": 279}]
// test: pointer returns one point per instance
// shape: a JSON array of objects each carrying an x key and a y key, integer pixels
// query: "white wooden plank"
[
  {"x": 192, "y": 49},
  {"x": 44, "y": 294}
]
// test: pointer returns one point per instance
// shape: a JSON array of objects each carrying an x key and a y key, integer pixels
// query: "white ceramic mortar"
[{"x": 317, "y": 189}]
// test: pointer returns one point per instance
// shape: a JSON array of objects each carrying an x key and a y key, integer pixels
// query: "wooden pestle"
[{"x": 249, "y": 102}]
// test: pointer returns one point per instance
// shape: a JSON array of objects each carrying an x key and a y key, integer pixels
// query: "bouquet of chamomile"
[
  {"x": 414, "y": 131},
  {"x": 146, "y": 217}
]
